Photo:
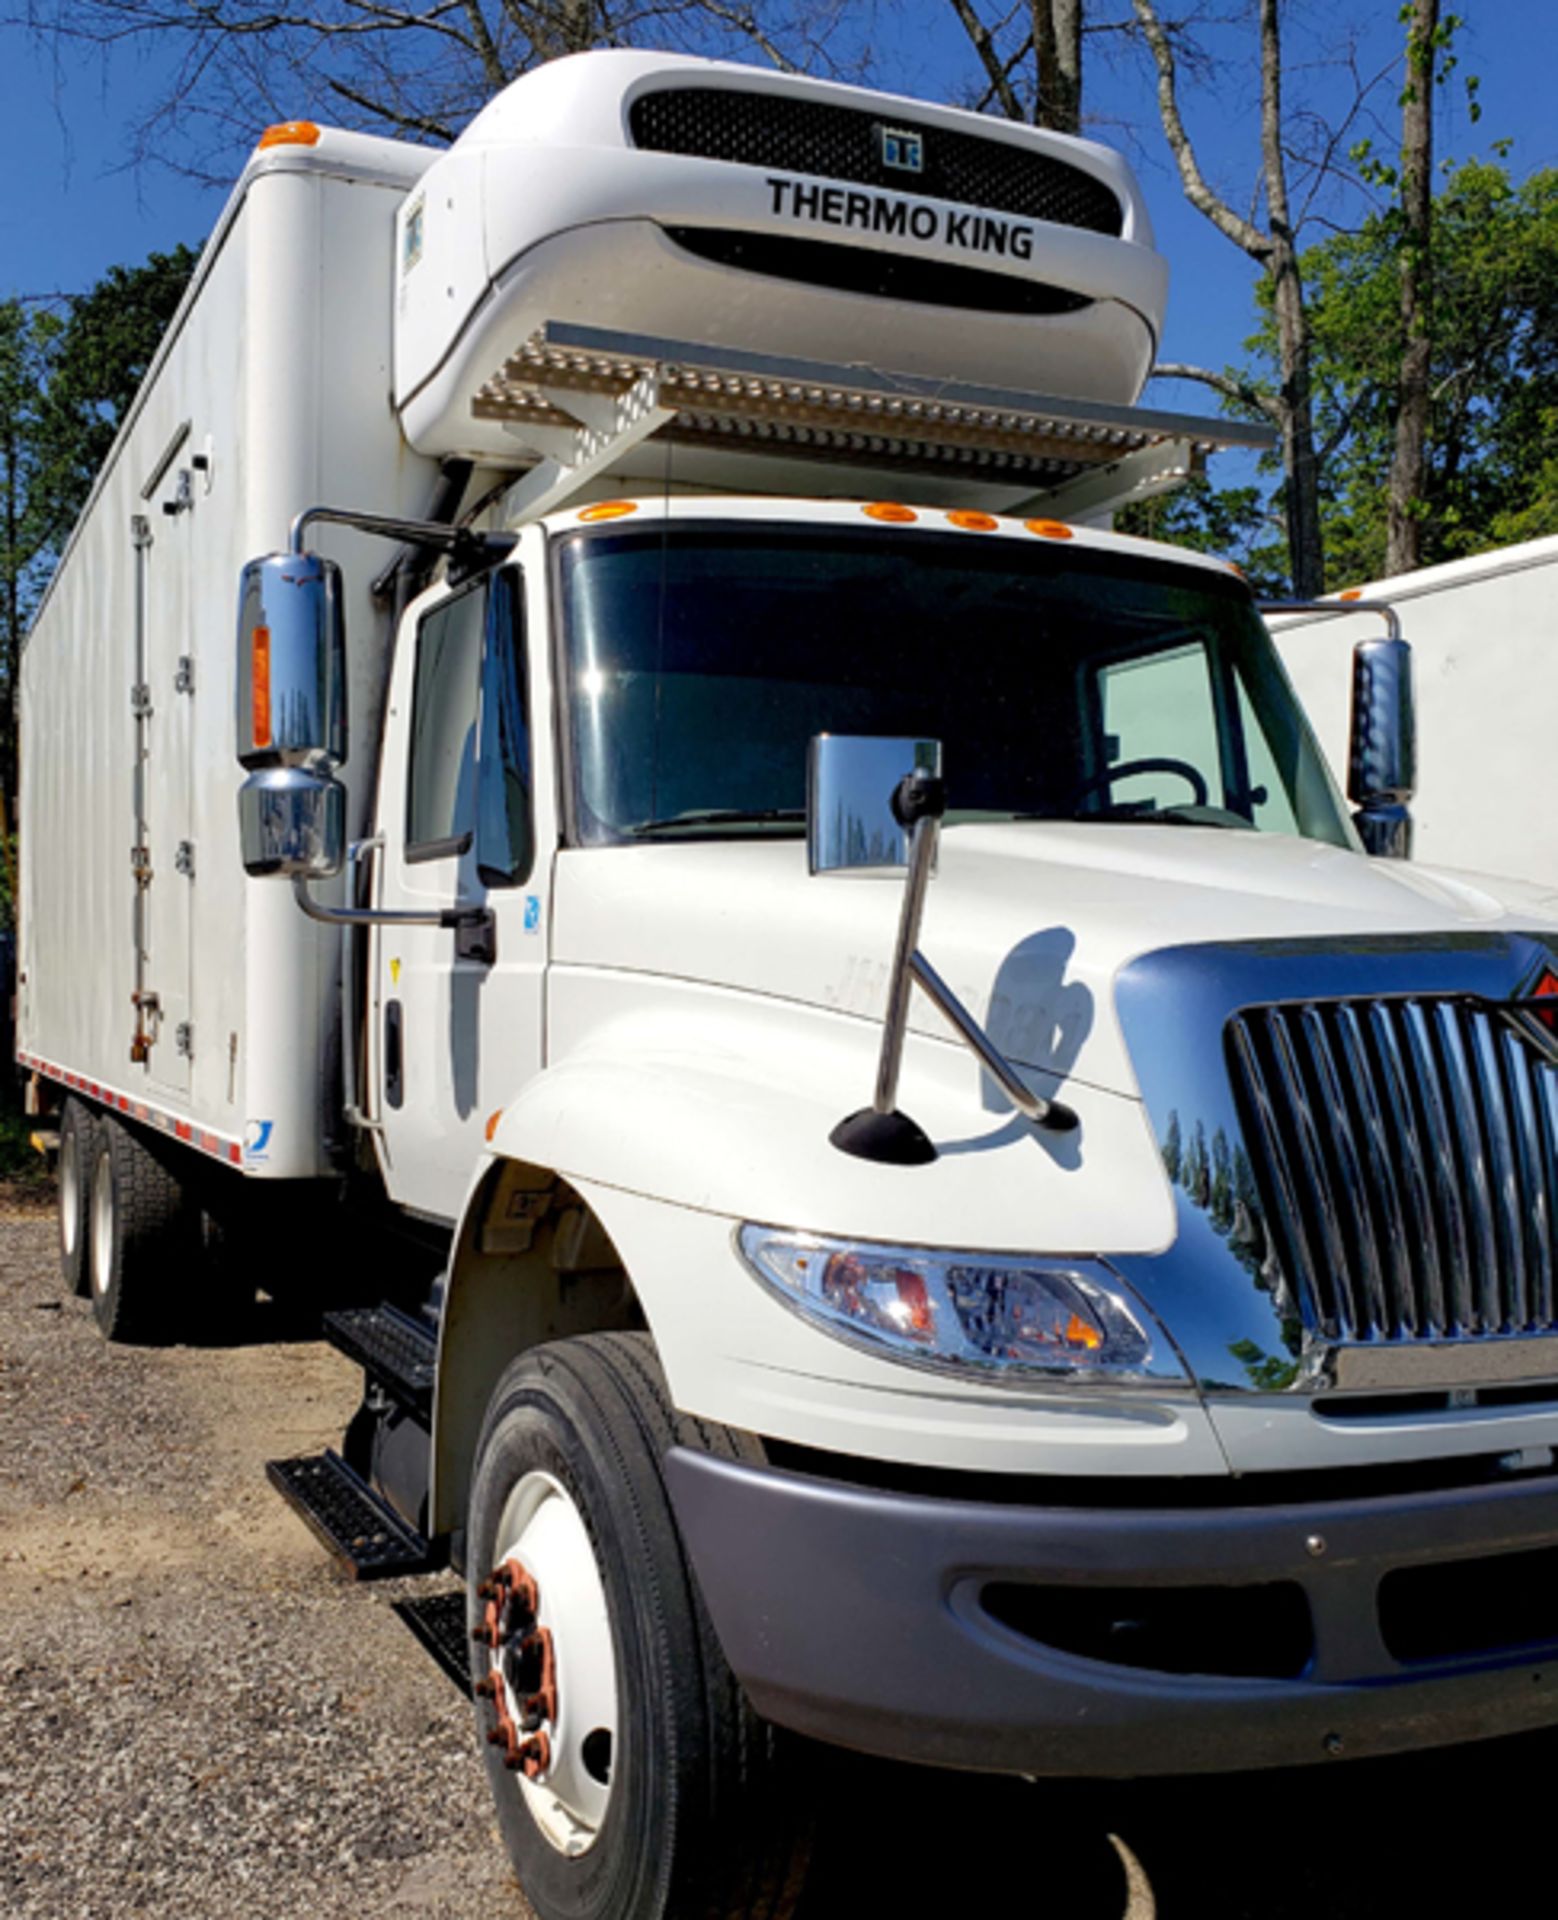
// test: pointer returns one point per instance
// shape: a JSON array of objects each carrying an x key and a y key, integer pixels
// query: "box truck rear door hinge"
[
  {"x": 140, "y": 700},
  {"x": 184, "y": 1039},
  {"x": 184, "y": 858},
  {"x": 184, "y": 675}
]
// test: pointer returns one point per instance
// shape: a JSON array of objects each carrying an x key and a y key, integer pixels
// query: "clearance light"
[
  {"x": 1352, "y": 593},
  {"x": 492, "y": 1122},
  {"x": 1049, "y": 529},
  {"x": 608, "y": 510},
  {"x": 992, "y": 1315},
  {"x": 973, "y": 522},
  {"x": 259, "y": 686},
  {"x": 291, "y": 133},
  {"x": 889, "y": 510}
]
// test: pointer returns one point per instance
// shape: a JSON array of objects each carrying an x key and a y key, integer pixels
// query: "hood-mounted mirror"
[{"x": 874, "y": 805}]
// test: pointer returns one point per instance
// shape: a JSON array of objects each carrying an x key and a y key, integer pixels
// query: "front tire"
[
  {"x": 140, "y": 1242},
  {"x": 632, "y": 1780}
]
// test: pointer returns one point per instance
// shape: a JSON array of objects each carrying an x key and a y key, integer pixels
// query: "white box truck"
[
  {"x": 973, "y": 1221},
  {"x": 1482, "y": 631}
]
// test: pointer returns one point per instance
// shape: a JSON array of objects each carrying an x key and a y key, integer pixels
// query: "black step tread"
[
  {"x": 391, "y": 1348},
  {"x": 438, "y": 1621},
  {"x": 350, "y": 1518}
]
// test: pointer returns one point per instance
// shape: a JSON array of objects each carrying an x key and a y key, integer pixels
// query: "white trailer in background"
[
  {"x": 1484, "y": 638},
  {"x": 666, "y": 520}
]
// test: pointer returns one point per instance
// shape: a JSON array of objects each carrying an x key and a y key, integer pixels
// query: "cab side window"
[
  {"x": 441, "y": 791},
  {"x": 469, "y": 776}
]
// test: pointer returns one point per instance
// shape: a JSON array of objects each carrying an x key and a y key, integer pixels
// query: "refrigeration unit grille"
[
  {"x": 847, "y": 143},
  {"x": 1404, "y": 1151}
]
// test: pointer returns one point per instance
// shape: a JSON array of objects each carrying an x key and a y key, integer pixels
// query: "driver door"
[{"x": 456, "y": 1010}]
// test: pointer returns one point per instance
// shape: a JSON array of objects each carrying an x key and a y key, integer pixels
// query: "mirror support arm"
[
  {"x": 455, "y": 917},
  {"x": 1033, "y": 1106},
  {"x": 922, "y": 857}
]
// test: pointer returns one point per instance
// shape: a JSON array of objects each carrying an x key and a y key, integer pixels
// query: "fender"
[{"x": 723, "y": 1113}]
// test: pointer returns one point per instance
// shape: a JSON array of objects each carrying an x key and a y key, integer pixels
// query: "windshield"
[{"x": 1064, "y": 683}]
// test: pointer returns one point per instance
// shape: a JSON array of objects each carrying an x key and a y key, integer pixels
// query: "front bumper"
[{"x": 865, "y": 1618}]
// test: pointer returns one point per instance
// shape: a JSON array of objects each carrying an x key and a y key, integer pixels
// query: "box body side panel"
[{"x": 277, "y": 383}]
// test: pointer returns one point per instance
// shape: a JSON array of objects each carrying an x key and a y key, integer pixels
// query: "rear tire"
[
  {"x": 141, "y": 1241},
  {"x": 77, "y": 1132},
  {"x": 695, "y": 1812}
]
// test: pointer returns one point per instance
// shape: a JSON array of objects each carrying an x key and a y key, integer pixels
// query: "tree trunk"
[
  {"x": 1057, "y": 46},
  {"x": 1408, "y": 469}
]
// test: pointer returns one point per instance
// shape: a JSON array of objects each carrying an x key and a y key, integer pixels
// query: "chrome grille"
[
  {"x": 1404, "y": 1150},
  {"x": 844, "y": 143}
]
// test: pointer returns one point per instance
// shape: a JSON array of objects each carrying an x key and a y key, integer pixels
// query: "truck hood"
[{"x": 1029, "y": 922}]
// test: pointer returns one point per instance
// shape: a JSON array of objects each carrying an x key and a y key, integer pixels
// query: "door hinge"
[
  {"x": 184, "y": 1039},
  {"x": 140, "y": 865},
  {"x": 183, "y": 493},
  {"x": 184, "y": 858},
  {"x": 184, "y": 675},
  {"x": 140, "y": 700}
]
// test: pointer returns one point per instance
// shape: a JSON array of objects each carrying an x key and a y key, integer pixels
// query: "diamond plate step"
[
  {"x": 396, "y": 1352},
  {"x": 351, "y": 1520},
  {"x": 438, "y": 1621}
]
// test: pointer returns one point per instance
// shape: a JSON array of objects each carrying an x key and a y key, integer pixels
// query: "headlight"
[{"x": 967, "y": 1312}]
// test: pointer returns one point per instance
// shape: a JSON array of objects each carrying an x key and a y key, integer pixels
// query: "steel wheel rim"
[
  {"x": 542, "y": 1528},
  {"x": 101, "y": 1248},
  {"x": 70, "y": 1195}
]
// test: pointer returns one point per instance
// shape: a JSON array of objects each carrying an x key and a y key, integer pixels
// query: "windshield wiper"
[{"x": 719, "y": 817}]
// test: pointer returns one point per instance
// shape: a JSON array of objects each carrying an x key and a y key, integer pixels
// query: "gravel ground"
[{"x": 199, "y": 1718}]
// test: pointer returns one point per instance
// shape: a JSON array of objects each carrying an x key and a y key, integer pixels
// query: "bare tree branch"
[
  {"x": 1242, "y": 232},
  {"x": 1227, "y": 384}
]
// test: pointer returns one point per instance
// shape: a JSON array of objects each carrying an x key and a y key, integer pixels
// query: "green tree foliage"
[
  {"x": 1492, "y": 455},
  {"x": 69, "y": 371}
]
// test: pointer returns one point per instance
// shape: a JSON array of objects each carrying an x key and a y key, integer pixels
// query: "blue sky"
[{"x": 75, "y": 208}]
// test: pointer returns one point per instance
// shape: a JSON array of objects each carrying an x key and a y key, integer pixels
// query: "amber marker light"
[
  {"x": 890, "y": 510},
  {"x": 1049, "y": 529},
  {"x": 290, "y": 133},
  {"x": 608, "y": 510},
  {"x": 492, "y": 1123},
  {"x": 973, "y": 522},
  {"x": 259, "y": 686},
  {"x": 1351, "y": 593}
]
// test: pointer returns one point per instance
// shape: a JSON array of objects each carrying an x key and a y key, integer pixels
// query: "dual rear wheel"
[{"x": 129, "y": 1233}]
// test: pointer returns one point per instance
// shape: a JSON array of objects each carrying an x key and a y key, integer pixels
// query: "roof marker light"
[
  {"x": 290, "y": 133},
  {"x": 972, "y": 522},
  {"x": 1049, "y": 529},
  {"x": 1351, "y": 593},
  {"x": 889, "y": 510},
  {"x": 608, "y": 510}
]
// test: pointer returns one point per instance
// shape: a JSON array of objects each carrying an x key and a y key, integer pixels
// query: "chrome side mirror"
[
  {"x": 291, "y": 663},
  {"x": 851, "y": 780},
  {"x": 291, "y": 716},
  {"x": 1382, "y": 750},
  {"x": 292, "y": 822}
]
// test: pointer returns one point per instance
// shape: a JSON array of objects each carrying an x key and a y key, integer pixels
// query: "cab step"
[
  {"x": 351, "y": 1520},
  {"x": 396, "y": 1352},
  {"x": 438, "y": 1621}
]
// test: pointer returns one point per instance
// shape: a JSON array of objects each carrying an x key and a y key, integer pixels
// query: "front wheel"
[{"x": 632, "y": 1780}]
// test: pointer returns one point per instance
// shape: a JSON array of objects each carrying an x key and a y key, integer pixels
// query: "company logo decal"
[
  {"x": 903, "y": 151},
  {"x": 256, "y": 1139},
  {"x": 532, "y": 913},
  {"x": 984, "y": 233}
]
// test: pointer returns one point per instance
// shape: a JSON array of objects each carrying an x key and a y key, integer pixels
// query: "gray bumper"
[{"x": 864, "y": 1618}]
